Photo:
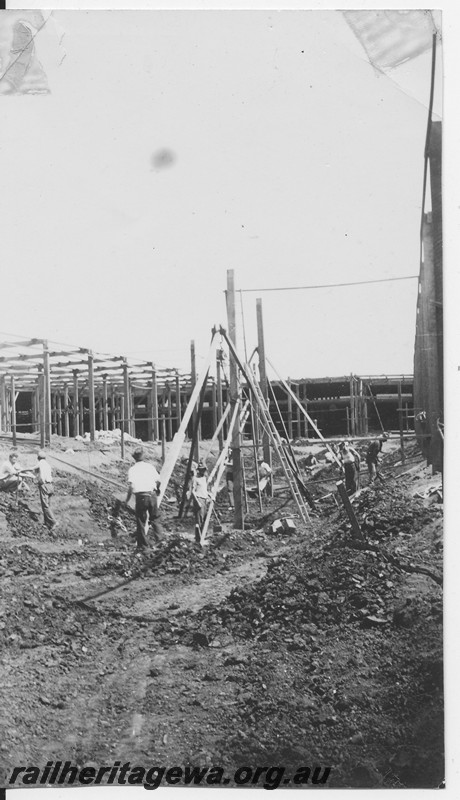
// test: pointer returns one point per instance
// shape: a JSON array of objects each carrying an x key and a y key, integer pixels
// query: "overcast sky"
[{"x": 177, "y": 145}]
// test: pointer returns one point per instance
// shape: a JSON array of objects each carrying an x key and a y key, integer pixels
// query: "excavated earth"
[{"x": 261, "y": 649}]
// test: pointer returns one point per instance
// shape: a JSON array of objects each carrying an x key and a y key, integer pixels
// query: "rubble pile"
[{"x": 384, "y": 511}]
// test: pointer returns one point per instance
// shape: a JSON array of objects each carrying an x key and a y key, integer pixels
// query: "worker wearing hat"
[
  {"x": 372, "y": 457},
  {"x": 144, "y": 484},
  {"x": 200, "y": 496},
  {"x": 45, "y": 489}
]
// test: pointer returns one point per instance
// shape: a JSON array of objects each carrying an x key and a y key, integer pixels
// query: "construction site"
[{"x": 289, "y": 619}]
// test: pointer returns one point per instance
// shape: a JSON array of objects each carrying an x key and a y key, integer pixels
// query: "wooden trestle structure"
[{"x": 75, "y": 391}]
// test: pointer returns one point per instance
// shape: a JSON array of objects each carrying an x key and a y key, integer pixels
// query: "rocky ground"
[{"x": 302, "y": 648}]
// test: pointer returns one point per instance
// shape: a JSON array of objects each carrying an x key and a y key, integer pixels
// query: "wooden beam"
[
  {"x": 219, "y": 356},
  {"x": 357, "y": 533},
  {"x": 66, "y": 411},
  {"x": 59, "y": 413},
  {"x": 289, "y": 410},
  {"x": 169, "y": 410},
  {"x": 263, "y": 377},
  {"x": 81, "y": 415},
  {"x": 400, "y": 420},
  {"x": 92, "y": 405},
  {"x": 113, "y": 410},
  {"x": 76, "y": 405},
  {"x": 105, "y": 409},
  {"x": 47, "y": 392},
  {"x": 126, "y": 398},
  {"x": 13, "y": 411},
  {"x": 234, "y": 403},
  {"x": 41, "y": 408},
  {"x": 352, "y": 406},
  {"x": 195, "y": 413},
  {"x": 178, "y": 402}
]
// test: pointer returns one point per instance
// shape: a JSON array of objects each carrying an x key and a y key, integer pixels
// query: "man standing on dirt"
[
  {"x": 265, "y": 476},
  {"x": 45, "y": 489},
  {"x": 199, "y": 494},
  {"x": 144, "y": 484},
  {"x": 372, "y": 457},
  {"x": 350, "y": 461}
]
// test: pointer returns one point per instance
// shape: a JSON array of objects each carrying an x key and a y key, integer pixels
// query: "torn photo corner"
[{"x": 221, "y": 370}]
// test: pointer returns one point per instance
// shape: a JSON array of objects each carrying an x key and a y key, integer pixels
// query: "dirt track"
[{"x": 260, "y": 649}]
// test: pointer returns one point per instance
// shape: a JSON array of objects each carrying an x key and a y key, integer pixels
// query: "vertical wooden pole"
[
  {"x": 132, "y": 411},
  {"x": 81, "y": 414},
  {"x": 66, "y": 411},
  {"x": 99, "y": 410},
  {"x": 407, "y": 417},
  {"x": 169, "y": 409},
  {"x": 298, "y": 416},
  {"x": 113, "y": 409},
  {"x": 13, "y": 411},
  {"x": 352, "y": 406},
  {"x": 47, "y": 392},
  {"x": 105, "y": 404},
  {"x": 366, "y": 417},
  {"x": 163, "y": 438},
  {"x": 53, "y": 412},
  {"x": 92, "y": 405},
  {"x": 220, "y": 408},
  {"x": 126, "y": 397},
  {"x": 178, "y": 403},
  {"x": 8, "y": 406},
  {"x": 59, "y": 413},
  {"x": 156, "y": 426},
  {"x": 234, "y": 400},
  {"x": 196, "y": 453},
  {"x": 289, "y": 411},
  {"x": 76, "y": 404},
  {"x": 35, "y": 412},
  {"x": 263, "y": 377},
  {"x": 357, "y": 533},
  {"x": 348, "y": 420},
  {"x": 305, "y": 405},
  {"x": 149, "y": 406},
  {"x": 3, "y": 404},
  {"x": 214, "y": 407},
  {"x": 400, "y": 419},
  {"x": 41, "y": 406}
]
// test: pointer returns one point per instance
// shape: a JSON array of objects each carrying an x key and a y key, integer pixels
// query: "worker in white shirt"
[
  {"x": 265, "y": 475},
  {"x": 45, "y": 489},
  {"x": 11, "y": 474},
  {"x": 144, "y": 484},
  {"x": 199, "y": 495}
]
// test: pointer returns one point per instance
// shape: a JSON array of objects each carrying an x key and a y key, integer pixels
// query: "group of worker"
[
  {"x": 144, "y": 484},
  {"x": 351, "y": 463},
  {"x": 198, "y": 490},
  {"x": 12, "y": 479}
]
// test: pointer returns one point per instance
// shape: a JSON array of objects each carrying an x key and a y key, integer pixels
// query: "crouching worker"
[
  {"x": 11, "y": 475},
  {"x": 199, "y": 495},
  {"x": 144, "y": 484}
]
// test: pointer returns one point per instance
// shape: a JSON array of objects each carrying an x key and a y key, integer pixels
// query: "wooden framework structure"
[{"x": 75, "y": 391}]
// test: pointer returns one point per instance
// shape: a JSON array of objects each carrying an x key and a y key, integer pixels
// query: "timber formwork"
[{"x": 75, "y": 391}]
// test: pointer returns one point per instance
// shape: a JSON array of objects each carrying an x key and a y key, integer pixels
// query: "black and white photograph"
[{"x": 222, "y": 398}]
